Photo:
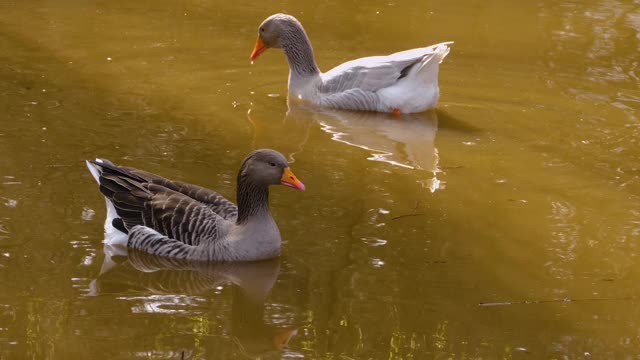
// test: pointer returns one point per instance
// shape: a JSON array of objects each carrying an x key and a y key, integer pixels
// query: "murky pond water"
[{"x": 505, "y": 224}]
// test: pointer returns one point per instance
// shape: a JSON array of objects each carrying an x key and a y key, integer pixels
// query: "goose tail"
[
  {"x": 94, "y": 169},
  {"x": 112, "y": 236},
  {"x": 431, "y": 61},
  {"x": 442, "y": 50}
]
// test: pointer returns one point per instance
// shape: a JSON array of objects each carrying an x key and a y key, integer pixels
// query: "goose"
[
  {"x": 185, "y": 221},
  {"x": 400, "y": 83}
]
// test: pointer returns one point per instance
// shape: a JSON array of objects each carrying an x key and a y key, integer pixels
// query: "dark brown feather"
[{"x": 168, "y": 207}]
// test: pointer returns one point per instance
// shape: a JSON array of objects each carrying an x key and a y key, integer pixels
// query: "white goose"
[
  {"x": 184, "y": 221},
  {"x": 404, "y": 82}
]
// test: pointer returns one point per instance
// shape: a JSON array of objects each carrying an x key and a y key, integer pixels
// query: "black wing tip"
[
  {"x": 119, "y": 225},
  {"x": 112, "y": 168}
]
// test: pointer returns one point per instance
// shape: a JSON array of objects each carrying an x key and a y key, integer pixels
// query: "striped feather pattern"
[
  {"x": 183, "y": 221},
  {"x": 353, "y": 99},
  {"x": 164, "y": 217},
  {"x": 152, "y": 242},
  {"x": 216, "y": 202}
]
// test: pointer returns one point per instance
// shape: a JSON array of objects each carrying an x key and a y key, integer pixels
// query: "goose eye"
[
  {"x": 272, "y": 164},
  {"x": 261, "y": 29}
]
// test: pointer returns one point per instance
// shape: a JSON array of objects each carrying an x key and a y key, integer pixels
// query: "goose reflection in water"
[
  {"x": 407, "y": 140},
  {"x": 251, "y": 283}
]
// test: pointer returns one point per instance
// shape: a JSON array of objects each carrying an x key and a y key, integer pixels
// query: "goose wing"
[
  {"x": 213, "y": 200},
  {"x": 139, "y": 201},
  {"x": 375, "y": 72}
]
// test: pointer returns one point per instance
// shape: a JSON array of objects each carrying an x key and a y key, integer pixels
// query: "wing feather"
[
  {"x": 375, "y": 72},
  {"x": 165, "y": 208},
  {"x": 216, "y": 202}
]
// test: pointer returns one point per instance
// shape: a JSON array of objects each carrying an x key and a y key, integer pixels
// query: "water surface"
[{"x": 504, "y": 224}]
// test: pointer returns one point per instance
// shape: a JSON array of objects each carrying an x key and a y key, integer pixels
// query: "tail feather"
[
  {"x": 434, "y": 59},
  {"x": 93, "y": 168},
  {"x": 108, "y": 167},
  {"x": 442, "y": 51},
  {"x": 124, "y": 191}
]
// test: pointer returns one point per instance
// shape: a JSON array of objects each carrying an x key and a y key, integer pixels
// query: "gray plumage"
[
  {"x": 403, "y": 82},
  {"x": 186, "y": 221}
]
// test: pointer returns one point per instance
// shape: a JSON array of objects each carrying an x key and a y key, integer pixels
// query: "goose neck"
[
  {"x": 253, "y": 200},
  {"x": 299, "y": 53}
]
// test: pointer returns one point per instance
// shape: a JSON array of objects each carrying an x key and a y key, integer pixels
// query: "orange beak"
[
  {"x": 290, "y": 180},
  {"x": 258, "y": 49}
]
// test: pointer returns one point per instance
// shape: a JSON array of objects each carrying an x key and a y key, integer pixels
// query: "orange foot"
[{"x": 396, "y": 112}]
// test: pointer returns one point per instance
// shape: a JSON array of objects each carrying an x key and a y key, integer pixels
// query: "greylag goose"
[
  {"x": 404, "y": 82},
  {"x": 184, "y": 221}
]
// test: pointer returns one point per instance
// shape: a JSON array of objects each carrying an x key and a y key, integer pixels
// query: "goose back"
[
  {"x": 182, "y": 219},
  {"x": 213, "y": 200}
]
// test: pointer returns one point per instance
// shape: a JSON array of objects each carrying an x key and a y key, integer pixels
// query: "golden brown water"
[{"x": 523, "y": 186}]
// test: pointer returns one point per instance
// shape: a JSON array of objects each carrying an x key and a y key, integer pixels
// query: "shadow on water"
[
  {"x": 449, "y": 122},
  {"x": 159, "y": 282}
]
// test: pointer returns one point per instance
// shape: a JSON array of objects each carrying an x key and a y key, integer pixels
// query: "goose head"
[
  {"x": 268, "y": 167},
  {"x": 274, "y": 31}
]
